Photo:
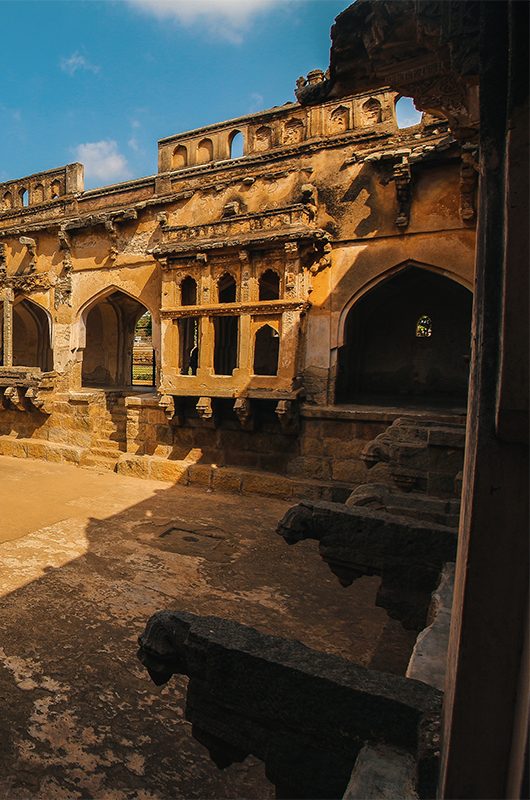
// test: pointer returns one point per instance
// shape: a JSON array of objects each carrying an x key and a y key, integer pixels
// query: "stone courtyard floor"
[{"x": 86, "y": 558}]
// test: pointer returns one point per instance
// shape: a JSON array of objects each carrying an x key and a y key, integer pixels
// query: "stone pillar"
[
  {"x": 206, "y": 347},
  {"x": 7, "y": 351},
  {"x": 245, "y": 345}
]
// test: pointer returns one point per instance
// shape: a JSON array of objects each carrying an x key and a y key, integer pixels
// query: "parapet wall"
[{"x": 42, "y": 187}]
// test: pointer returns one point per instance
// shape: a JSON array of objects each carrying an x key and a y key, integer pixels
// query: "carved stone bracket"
[
  {"x": 112, "y": 230},
  {"x": 31, "y": 246},
  {"x": 19, "y": 398},
  {"x": 288, "y": 416},
  {"x": 402, "y": 179},
  {"x": 25, "y": 389},
  {"x": 204, "y": 408},
  {"x": 172, "y": 408},
  {"x": 243, "y": 411}
]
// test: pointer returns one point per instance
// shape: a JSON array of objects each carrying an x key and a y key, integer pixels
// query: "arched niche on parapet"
[
  {"x": 263, "y": 138},
  {"x": 107, "y": 328},
  {"x": 179, "y": 158},
  {"x": 31, "y": 335},
  {"x": 383, "y": 357},
  {"x": 293, "y": 132},
  {"x": 204, "y": 151},
  {"x": 372, "y": 111},
  {"x": 339, "y": 119},
  {"x": 236, "y": 144}
]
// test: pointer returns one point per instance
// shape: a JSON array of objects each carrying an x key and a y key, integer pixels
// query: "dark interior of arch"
[
  {"x": 269, "y": 285},
  {"x": 110, "y": 332},
  {"x": 266, "y": 351},
  {"x": 31, "y": 337},
  {"x": 188, "y": 292},
  {"x": 383, "y": 360},
  {"x": 227, "y": 288}
]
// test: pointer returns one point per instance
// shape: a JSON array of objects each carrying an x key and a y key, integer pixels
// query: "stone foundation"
[{"x": 130, "y": 434}]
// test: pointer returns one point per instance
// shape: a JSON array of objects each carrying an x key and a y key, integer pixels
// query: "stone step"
[
  {"x": 107, "y": 443},
  {"x": 105, "y": 452},
  {"x": 90, "y": 460}
]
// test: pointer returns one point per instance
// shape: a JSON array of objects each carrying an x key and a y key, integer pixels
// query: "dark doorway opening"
[
  {"x": 407, "y": 340},
  {"x": 266, "y": 351},
  {"x": 226, "y": 342},
  {"x": 110, "y": 341}
]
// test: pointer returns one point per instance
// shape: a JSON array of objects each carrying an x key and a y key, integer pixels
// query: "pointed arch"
[
  {"x": 383, "y": 358},
  {"x": 266, "y": 350},
  {"x": 108, "y": 323},
  {"x": 390, "y": 273},
  {"x": 31, "y": 335}
]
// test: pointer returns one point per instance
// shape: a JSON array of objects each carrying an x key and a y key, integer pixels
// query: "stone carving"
[
  {"x": 31, "y": 246},
  {"x": 248, "y": 694},
  {"x": 293, "y": 131},
  {"x": 26, "y": 389},
  {"x": 112, "y": 230},
  {"x": 287, "y": 413},
  {"x": 263, "y": 138},
  {"x": 167, "y": 404},
  {"x": 339, "y": 119},
  {"x": 372, "y": 112},
  {"x": 243, "y": 411},
  {"x": 204, "y": 408},
  {"x": 63, "y": 285}
]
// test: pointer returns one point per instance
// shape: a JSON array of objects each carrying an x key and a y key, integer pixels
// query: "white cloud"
[
  {"x": 77, "y": 62},
  {"x": 103, "y": 161},
  {"x": 256, "y": 102},
  {"x": 225, "y": 19}
]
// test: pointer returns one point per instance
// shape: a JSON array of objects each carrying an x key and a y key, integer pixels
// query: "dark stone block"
[
  {"x": 407, "y": 554},
  {"x": 305, "y": 714}
]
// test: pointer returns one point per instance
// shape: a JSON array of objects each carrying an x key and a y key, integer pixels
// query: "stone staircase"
[{"x": 109, "y": 421}]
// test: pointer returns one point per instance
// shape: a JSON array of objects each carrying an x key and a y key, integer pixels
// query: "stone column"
[{"x": 8, "y": 298}]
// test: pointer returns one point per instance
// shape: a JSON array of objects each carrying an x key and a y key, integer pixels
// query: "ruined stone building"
[
  {"x": 457, "y": 725},
  {"x": 280, "y": 320},
  {"x": 298, "y": 294}
]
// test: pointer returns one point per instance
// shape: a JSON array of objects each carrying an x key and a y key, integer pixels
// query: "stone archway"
[
  {"x": 31, "y": 336},
  {"x": 110, "y": 325},
  {"x": 407, "y": 340}
]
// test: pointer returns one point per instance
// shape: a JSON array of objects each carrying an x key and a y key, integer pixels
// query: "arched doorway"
[
  {"x": 31, "y": 336},
  {"x": 110, "y": 340},
  {"x": 408, "y": 339}
]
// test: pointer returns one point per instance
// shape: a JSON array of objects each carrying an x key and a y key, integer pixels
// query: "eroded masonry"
[{"x": 245, "y": 322}]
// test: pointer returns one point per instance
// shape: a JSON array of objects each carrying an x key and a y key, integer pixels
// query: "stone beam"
[
  {"x": 305, "y": 714},
  {"x": 407, "y": 554}
]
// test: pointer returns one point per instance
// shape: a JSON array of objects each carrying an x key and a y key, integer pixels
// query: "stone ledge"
[
  {"x": 40, "y": 449},
  {"x": 375, "y": 413},
  {"x": 228, "y": 479},
  {"x": 231, "y": 479}
]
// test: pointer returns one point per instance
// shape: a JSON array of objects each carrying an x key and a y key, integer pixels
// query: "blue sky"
[{"x": 101, "y": 80}]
